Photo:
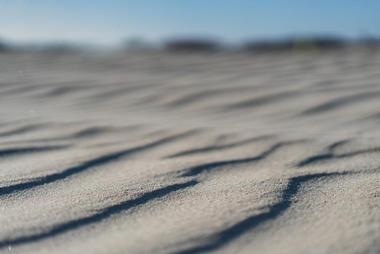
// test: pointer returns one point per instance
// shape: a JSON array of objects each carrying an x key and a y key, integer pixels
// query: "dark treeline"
[
  {"x": 319, "y": 43},
  {"x": 206, "y": 45},
  {"x": 265, "y": 46},
  {"x": 201, "y": 45},
  {"x": 4, "y": 46}
]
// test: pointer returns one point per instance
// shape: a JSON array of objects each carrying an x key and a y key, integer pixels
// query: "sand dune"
[{"x": 171, "y": 153}]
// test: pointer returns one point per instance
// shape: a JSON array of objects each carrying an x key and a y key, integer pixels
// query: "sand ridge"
[{"x": 172, "y": 153}]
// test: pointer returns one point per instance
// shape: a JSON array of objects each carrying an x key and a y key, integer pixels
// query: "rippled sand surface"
[{"x": 169, "y": 153}]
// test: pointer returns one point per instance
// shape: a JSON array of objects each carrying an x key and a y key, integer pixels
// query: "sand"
[{"x": 170, "y": 153}]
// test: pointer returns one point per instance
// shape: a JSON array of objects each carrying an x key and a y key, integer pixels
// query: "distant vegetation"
[
  {"x": 202, "y": 45},
  {"x": 4, "y": 46},
  {"x": 317, "y": 43},
  {"x": 192, "y": 45},
  {"x": 137, "y": 44},
  {"x": 370, "y": 42}
]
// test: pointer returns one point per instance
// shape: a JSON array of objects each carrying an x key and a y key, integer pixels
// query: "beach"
[{"x": 156, "y": 152}]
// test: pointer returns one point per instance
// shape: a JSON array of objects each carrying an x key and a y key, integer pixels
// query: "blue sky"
[{"x": 111, "y": 21}]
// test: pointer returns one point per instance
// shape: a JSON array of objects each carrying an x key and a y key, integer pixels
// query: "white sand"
[{"x": 189, "y": 154}]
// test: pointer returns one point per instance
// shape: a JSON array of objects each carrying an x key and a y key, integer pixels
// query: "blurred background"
[{"x": 137, "y": 24}]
